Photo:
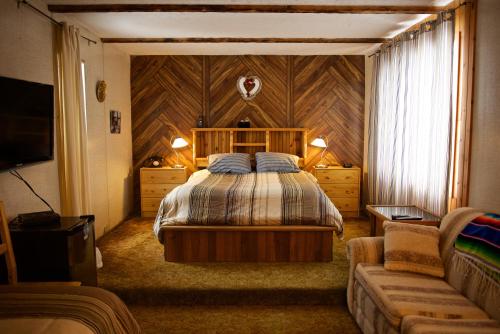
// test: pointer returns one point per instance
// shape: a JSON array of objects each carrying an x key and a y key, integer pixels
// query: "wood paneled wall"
[{"x": 322, "y": 93}]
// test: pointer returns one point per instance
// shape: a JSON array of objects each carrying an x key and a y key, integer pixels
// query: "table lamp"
[
  {"x": 178, "y": 142},
  {"x": 321, "y": 141}
]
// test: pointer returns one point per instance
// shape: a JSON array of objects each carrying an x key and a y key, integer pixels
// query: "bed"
[
  {"x": 248, "y": 217},
  {"x": 51, "y": 309},
  {"x": 252, "y": 217}
]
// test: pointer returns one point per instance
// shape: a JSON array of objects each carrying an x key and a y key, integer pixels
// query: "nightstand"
[
  {"x": 155, "y": 184},
  {"x": 341, "y": 185}
]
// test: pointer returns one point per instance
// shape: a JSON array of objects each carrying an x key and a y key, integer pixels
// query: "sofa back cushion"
[{"x": 413, "y": 248}]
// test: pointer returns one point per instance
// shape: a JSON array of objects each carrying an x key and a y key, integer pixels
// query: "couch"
[{"x": 383, "y": 301}]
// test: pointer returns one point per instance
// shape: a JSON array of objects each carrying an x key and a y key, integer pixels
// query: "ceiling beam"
[
  {"x": 245, "y": 40},
  {"x": 317, "y": 9}
]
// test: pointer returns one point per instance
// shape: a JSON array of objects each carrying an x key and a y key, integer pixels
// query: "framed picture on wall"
[{"x": 115, "y": 123}]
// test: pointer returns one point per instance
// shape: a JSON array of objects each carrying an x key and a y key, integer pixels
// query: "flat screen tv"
[{"x": 26, "y": 123}]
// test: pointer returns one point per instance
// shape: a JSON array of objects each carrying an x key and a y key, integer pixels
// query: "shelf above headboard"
[{"x": 208, "y": 141}]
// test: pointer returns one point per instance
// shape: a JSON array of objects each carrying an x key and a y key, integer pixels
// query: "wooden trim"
[
  {"x": 249, "y": 129},
  {"x": 324, "y": 9},
  {"x": 226, "y": 228},
  {"x": 246, "y": 40},
  {"x": 465, "y": 27},
  {"x": 250, "y": 144}
]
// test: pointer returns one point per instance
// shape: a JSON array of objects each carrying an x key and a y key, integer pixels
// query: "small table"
[
  {"x": 381, "y": 213},
  {"x": 51, "y": 253}
]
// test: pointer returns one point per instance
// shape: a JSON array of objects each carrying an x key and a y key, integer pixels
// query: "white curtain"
[
  {"x": 71, "y": 125},
  {"x": 410, "y": 118}
]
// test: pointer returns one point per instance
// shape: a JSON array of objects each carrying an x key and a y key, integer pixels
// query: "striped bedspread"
[
  {"x": 248, "y": 199},
  {"x": 55, "y": 309},
  {"x": 480, "y": 241}
]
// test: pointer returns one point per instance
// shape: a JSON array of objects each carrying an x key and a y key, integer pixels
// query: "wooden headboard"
[{"x": 208, "y": 141}]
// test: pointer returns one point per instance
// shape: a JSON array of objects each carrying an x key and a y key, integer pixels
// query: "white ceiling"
[{"x": 172, "y": 25}]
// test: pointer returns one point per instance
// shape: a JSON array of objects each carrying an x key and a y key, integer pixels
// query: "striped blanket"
[
  {"x": 56, "y": 309},
  {"x": 480, "y": 241},
  {"x": 248, "y": 199}
]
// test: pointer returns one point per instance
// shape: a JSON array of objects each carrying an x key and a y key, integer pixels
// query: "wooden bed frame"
[
  {"x": 266, "y": 243},
  {"x": 295, "y": 243}
]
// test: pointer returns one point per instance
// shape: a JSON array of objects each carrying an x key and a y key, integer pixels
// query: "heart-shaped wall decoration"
[{"x": 248, "y": 86}]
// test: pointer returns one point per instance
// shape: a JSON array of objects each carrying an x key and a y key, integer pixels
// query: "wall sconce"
[
  {"x": 322, "y": 142},
  {"x": 178, "y": 142}
]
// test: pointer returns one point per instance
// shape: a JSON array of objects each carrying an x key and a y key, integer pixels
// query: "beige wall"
[
  {"x": 26, "y": 53},
  {"x": 484, "y": 189},
  {"x": 119, "y": 146}
]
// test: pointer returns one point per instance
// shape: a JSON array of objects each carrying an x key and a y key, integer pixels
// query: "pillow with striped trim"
[
  {"x": 413, "y": 248},
  {"x": 277, "y": 162},
  {"x": 235, "y": 163}
]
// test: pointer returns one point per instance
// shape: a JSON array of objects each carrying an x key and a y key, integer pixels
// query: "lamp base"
[{"x": 178, "y": 166}]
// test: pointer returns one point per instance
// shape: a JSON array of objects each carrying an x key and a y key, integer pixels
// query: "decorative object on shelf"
[
  {"x": 115, "y": 121},
  {"x": 347, "y": 165},
  {"x": 322, "y": 142},
  {"x": 100, "y": 90},
  {"x": 248, "y": 86},
  {"x": 154, "y": 161},
  {"x": 199, "y": 122},
  {"x": 244, "y": 123},
  {"x": 178, "y": 142}
]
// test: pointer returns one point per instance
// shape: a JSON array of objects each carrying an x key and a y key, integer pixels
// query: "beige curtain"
[
  {"x": 410, "y": 118},
  {"x": 71, "y": 124}
]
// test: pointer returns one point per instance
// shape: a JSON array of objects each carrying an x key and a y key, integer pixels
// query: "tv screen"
[{"x": 26, "y": 122}]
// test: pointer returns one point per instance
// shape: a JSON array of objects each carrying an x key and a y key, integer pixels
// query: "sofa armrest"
[{"x": 362, "y": 250}]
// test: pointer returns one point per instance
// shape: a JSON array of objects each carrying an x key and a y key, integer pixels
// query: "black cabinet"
[{"x": 64, "y": 252}]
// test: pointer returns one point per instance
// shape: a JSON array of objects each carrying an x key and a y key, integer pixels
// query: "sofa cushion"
[
  {"x": 399, "y": 294},
  {"x": 424, "y": 325},
  {"x": 413, "y": 248}
]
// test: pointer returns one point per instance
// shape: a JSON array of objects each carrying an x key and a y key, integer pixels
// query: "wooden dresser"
[
  {"x": 342, "y": 186},
  {"x": 155, "y": 184}
]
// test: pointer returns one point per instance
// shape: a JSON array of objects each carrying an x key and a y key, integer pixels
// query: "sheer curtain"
[
  {"x": 410, "y": 118},
  {"x": 71, "y": 125}
]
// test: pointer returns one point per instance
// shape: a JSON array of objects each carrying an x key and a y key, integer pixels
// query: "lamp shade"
[
  {"x": 179, "y": 142},
  {"x": 319, "y": 142}
]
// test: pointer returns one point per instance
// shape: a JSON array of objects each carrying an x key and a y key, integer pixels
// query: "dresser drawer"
[
  {"x": 346, "y": 203},
  {"x": 163, "y": 176},
  {"x": 150, "y": 203},
  {"x": 149, "y": 214},
  {"x": 340, "y": 190},
  {"x": 337, "y": 176},
  {"x": 157, "y": 189}
]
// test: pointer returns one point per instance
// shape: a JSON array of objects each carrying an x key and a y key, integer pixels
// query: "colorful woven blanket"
[{"x": 480, "y": 241}]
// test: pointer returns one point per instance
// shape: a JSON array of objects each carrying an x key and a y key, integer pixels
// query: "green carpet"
[{"x": 225, "y": 297}]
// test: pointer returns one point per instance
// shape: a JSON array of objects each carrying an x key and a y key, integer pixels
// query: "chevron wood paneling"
[
  {"x": 268, "y": 109},
  {"x": 329, "y": 99},
  {"x": 322, "y": 93}
]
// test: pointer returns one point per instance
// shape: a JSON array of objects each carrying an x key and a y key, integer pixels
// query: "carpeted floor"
[{"x": 225, "y": 297}]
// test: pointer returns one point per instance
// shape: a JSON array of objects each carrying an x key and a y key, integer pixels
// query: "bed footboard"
[{"x": 248, "y": 243}]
